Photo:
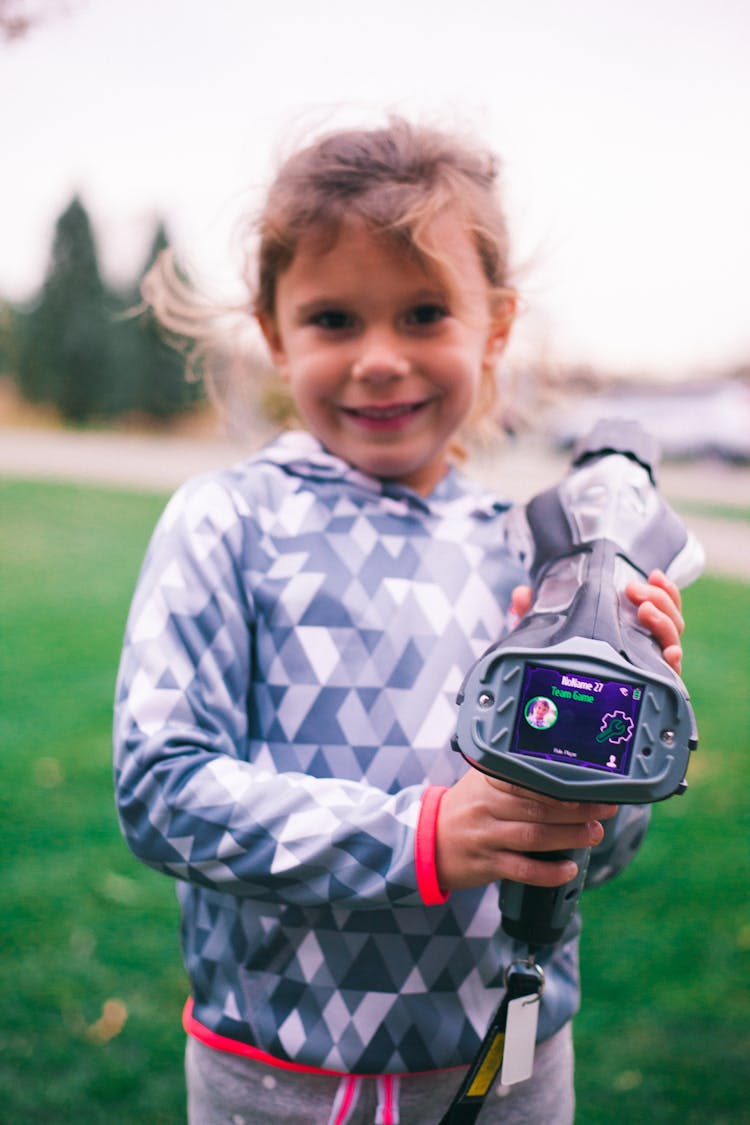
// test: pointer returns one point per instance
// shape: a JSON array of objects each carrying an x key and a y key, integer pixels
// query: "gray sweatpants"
[{"x": 227, "y": 1089}]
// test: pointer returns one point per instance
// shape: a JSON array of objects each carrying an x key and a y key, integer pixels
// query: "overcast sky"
[{"x": 623, "y": 127}]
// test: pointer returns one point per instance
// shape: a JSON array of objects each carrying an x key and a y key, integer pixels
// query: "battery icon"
[{"x": 636, "y": 693}]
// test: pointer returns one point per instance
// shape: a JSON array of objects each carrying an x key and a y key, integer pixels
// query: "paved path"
[{"x": 161, "y": 463}]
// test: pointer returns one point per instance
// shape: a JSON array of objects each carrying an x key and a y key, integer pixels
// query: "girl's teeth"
[{"x": 386, "y": 412}]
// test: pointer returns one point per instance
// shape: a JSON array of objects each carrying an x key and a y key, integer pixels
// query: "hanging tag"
[{"x": 520, "y": 1040}]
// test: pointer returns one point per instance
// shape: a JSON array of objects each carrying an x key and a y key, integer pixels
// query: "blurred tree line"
[{"x": 80, "y": 345}]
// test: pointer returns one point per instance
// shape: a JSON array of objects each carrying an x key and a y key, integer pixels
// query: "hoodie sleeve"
[{"x": 191, "y": 802}]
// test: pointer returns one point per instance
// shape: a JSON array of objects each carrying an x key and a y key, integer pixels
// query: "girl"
[{"x": 286, "y": 695}]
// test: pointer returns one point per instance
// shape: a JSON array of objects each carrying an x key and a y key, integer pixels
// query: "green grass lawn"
[{"x": 92, "y": 984}]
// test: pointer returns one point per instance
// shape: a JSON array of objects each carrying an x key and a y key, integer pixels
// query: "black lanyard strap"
[{"x": 522, "y": 978}]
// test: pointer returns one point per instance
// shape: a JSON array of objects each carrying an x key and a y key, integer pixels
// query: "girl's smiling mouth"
[{"x": 385, "y": 417}]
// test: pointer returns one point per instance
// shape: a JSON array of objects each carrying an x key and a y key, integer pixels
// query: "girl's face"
[{"x": 383, "y": 359}]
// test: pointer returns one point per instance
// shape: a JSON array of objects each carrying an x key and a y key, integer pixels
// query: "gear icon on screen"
[{"x": 616, "y": 727}]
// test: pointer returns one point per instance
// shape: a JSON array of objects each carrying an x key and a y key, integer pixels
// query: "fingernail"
[{"x": 596, "y": 832}]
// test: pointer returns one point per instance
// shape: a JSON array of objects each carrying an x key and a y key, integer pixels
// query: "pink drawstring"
[
  {"x": 347, "y": 1096},
  {"x": 345, "y": 1101},
  {"x": 388, "y": 1091}
]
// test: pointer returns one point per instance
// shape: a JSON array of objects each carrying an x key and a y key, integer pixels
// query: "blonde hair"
[{"x": 397, "y": 179}]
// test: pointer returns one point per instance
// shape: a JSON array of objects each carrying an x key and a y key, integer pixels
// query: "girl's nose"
[{"x": 380, "y": 360}]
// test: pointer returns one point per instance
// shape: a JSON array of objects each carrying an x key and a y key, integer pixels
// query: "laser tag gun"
[{"x": 577, "y": 702}]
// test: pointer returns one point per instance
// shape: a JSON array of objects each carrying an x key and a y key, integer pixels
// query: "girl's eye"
[
  {"x": 331, "y": 319},
  {"x": 427, "y": 314}
]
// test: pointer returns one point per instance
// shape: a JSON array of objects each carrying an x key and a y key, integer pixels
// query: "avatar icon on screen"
[{"x": 541, "y": 713}]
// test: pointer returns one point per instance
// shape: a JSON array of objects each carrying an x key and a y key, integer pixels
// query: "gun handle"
[{"x": 539, "y": 916}]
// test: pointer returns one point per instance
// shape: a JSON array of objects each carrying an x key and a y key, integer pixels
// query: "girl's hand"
[
  {"x": 659, "y": 610},
  {"x": 485, "y": 826}
]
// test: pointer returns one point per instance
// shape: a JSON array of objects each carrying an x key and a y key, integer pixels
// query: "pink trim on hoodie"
[{"x": 424, "y": 847}]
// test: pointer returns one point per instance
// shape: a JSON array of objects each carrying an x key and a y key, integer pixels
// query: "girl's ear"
[
  {"x": 501, "y": 323},
  {"x": 272, "y": 336}
]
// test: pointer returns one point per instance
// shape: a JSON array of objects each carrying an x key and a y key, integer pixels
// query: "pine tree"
[
  {"x": 66, "y": 355},
  {"x": 10, "y": 332}
]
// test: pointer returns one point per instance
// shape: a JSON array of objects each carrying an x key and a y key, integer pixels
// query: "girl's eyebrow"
[
  {"x": 418, "y": 297},
  {"x": 318, "y": 304}
]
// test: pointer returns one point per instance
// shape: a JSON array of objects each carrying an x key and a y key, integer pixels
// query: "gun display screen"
[{"x": 578, "y": 719}]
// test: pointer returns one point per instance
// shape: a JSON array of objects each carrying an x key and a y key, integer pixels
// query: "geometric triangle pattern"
[{"x": 286, "y": 691}]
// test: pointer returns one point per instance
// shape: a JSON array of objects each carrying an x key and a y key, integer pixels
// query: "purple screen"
[{"x": 577, "y": 718}]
